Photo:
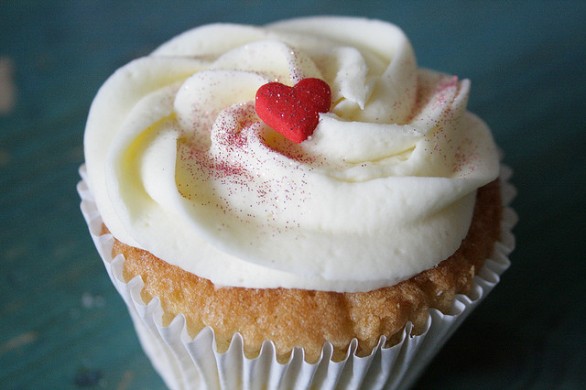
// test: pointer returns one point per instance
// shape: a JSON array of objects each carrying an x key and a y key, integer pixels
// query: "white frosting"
[{"x": 181, "y": 166}]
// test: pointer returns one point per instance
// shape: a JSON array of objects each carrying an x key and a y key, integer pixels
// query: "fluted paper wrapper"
[{"x": 189, "y": 363}]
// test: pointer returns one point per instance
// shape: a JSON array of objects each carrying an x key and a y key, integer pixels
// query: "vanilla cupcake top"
[{"x": 310, "y": 153}]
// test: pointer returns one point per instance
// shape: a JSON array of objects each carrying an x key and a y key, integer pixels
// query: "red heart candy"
[{"x": 293, "y": 111}]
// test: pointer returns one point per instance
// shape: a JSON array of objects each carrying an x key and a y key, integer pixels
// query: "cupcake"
[{"x": 295, "y": 205}]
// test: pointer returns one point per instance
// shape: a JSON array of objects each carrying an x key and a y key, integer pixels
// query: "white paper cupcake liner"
[{"x": 194, "y": 363}]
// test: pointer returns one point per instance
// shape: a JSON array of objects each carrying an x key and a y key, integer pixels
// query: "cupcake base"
[{"x": 186, "y": 362}]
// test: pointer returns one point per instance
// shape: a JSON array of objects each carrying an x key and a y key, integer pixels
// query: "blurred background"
[{"x": 62, "y": 324}]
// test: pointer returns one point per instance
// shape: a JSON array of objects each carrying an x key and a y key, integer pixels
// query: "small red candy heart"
[{"x": 293, "y": 111}]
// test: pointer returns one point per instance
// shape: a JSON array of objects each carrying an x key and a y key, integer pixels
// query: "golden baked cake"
[
  {"x": 303, "y": 183},
  {"x": 307, "y": 318}
]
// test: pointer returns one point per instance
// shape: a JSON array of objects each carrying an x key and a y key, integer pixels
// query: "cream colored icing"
[{"x": 181, "y": 166}]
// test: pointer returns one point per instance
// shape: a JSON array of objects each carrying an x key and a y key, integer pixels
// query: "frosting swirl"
[{"x": 180, "y": 164}]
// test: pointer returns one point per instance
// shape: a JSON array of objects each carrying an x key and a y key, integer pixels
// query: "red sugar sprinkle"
[{"x": 293, "y": 111}]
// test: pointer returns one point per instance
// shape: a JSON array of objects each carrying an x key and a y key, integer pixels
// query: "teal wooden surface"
[{"x": 62, "y": 325}]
